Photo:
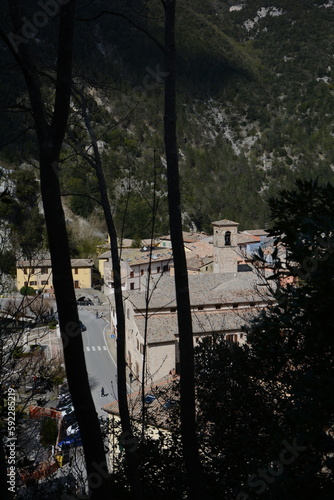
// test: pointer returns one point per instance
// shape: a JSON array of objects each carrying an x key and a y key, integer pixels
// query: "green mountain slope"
[{"x": 255, "y": 106}]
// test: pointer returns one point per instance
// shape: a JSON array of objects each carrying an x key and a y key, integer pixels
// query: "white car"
[{"x": 72, "y": 429}]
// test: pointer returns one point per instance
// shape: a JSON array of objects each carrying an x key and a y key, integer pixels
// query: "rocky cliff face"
[{"x": 255, "y": 107}]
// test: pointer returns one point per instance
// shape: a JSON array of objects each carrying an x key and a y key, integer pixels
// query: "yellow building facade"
[{"x": 37, "y": 274}]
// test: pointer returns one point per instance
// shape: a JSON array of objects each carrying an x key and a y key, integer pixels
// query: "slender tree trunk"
[
  {"x": 50, "y": 138},
  {"x": 187, "y": 384},
  {"x": 128, "y": 440}
]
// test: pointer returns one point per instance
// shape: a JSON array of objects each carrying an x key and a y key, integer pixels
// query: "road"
[{"x": 100, "y": 365}]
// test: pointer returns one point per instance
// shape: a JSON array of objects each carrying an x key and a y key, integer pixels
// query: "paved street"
[{"x": 101, "y": 366}]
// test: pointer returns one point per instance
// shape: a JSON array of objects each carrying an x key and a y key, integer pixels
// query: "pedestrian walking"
[{"x": 102, "y": 392}]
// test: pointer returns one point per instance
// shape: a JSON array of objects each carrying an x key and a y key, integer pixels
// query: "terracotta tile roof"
[{"x": 244, "y": 239}]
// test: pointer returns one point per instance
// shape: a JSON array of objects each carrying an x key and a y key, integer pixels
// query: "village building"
[
  {"x": 188, "y": 238},
  {"x": 222, "y": 302},
  {"x": 37, "y": 274},
  {"x": 135, "y": 265}
]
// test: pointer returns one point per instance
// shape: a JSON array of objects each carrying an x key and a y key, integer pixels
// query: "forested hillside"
[{"x": 255, "y": 107}]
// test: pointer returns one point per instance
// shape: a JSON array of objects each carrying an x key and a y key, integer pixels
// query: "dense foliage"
[
  {"x": 266, "y": 414},
  {"x": 254, "y": 107}
]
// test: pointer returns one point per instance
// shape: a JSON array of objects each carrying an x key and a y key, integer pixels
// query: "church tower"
[{"x": 225, "y": 246}]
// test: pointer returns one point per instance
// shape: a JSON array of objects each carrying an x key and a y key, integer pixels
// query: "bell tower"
[{"x": 225, "y": 246}]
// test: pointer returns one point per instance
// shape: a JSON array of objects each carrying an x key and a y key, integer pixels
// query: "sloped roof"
[
  {"x": 46, "y": 262},
  {"x": 135, "y": 256},
  {"x": 188, "y": 236},
  {"x": 205, "y": 288},
  {"x": 256, "y": 232},
  {"x": 225, "y": 222},
  {"x": 245, "y": 239},
  {"x": 163, "y": 328},
  {"x": 198, "y": 262},
  {"x": 201, "y": 248}
]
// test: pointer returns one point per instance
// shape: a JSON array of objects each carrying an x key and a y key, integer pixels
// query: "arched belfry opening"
[{"x": 225, "y": 246}]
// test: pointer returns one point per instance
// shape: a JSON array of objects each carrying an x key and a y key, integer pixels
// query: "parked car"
[
  {"x": 171, "y": 403},
  {"x": 69, "y": 419},
  {"x": 72, "y": 429},
  {"x": 67, "y": 411},
  {"x": 149, "y": 398},
  {"x": 73, "y": 439},
  {"x": 64, "y": 405}
]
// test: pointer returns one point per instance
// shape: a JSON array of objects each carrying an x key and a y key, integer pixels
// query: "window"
[
  {"x": 25, "y": 271},
  {"x": 132, "y": 274},
  {"x": 44, "y": 270},
  {"x": 33, "y": 283},
  {"x": 132, "y": 286},
  {"x": 76, "y": 284},
  {"x": 141, "y": 272},
  {"x": 76, "y": 270},
  {"x": 44, "y": 282},
  {"x": 200, "y": 308},
  {"x": 173, "y": 309},
  {"x": 218, "y": 306},
  {"x": 235, "y": 306},
  {"x": 228, "y": 238},
  {"x": 158, "y": 269},
  {"x": 165, "y": 269}
]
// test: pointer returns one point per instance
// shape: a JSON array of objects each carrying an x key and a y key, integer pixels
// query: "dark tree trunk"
[
  {"x": 50, "y": 138},
  {"x": 69, "y": 326},
  {"x": 187, "y": 385}
]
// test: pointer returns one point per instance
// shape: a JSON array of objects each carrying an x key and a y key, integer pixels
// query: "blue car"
[{"x": 75, "y": 440}]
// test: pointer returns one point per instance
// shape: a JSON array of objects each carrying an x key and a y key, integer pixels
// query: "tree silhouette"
[{"x": 50, "y": 129}]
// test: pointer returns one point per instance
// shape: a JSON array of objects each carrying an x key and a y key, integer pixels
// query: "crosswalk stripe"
[{"x": 99, "y": 348}]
